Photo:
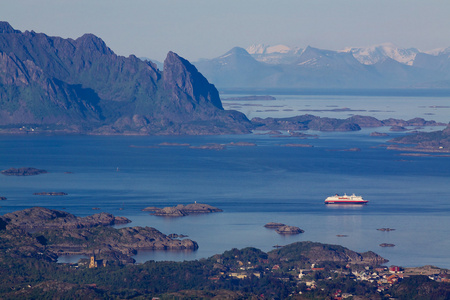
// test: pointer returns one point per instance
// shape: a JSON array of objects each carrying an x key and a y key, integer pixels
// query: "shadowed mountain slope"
[{"x": 82, "y": 86}]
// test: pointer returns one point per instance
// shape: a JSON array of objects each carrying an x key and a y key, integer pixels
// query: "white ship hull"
[{"x": 336, "y": 199}]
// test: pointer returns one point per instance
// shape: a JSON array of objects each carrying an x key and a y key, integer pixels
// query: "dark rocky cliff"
[{"x": 82, "y": 86}]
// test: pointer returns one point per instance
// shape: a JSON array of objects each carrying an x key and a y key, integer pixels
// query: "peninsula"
[
  {"x": 436, "y": 141},
  {"x": 54, "y": 233},
  {"x": 32, "y": 239}
]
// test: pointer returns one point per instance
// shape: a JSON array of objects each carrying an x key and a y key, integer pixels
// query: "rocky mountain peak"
[
  {"x": 80, "y": 85},
  {"x": 90, "y": 42},
  {"x": 183, "y": 80},
  {"x": 446, "y": 131},
  {"x": 5, "y": 27}
]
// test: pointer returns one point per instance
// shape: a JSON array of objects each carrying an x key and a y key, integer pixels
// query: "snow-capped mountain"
[
  {"x": 278, "y": 54},
  {"x": 378, "y": 67},
  {"x": 373, "y": 54},
  {"x": 439, "y": 51}
]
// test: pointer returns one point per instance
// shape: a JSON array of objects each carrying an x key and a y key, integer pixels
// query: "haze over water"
[{"x": 254, "y": 185}]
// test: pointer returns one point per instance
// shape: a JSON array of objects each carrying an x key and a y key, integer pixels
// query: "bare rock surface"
[
  {"x": 44, "y": 218},
  {"x": 41, "y": 230},
  {"x": 313, "y": 252},
  {"x": 274, "y": 225},
  {"x": 25, "y": 171},
  {"x": 183, "y": 210},
  {"x": 50, "y": 194},
  {"x": 289, "y": 230}
]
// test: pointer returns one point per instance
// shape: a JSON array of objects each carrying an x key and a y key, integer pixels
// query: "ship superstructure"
[{"x": 353, "y": 199}]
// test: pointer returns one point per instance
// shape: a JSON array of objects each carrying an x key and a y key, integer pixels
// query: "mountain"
[
  {"x": 378, "y": 67},
  {"x": 82, "y": 86},
  {"x": 312, "y": 68},
  {"x": 373, "y": 54},
  {"x": 238, "y": 68},
  {"x": 278, "y": 54}
]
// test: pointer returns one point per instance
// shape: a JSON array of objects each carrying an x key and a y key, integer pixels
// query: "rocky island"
[
  {"x": 183, "y": 210},
  {"x": 274, "y": 225},
  {"x": 386, "y": 229},
  {"x": 283, "y": 228},
  {"x": 289, "y": 230},
  {"x": 436, "y": 141},
  {"x": 354, "y": 123},
  {"x": 31, "y": 241},
  {"x": 55, "y": 233},
  {"x": 98, "y": 92},
  {"x": 50, "y": 194},
  {"x": 25, "y": 171}
]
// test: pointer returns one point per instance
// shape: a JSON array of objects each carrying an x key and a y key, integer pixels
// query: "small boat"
[{"x": 336, "y": 199}]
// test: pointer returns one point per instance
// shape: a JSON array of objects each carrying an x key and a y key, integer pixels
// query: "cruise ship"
[{"x": 336, "y": 199}]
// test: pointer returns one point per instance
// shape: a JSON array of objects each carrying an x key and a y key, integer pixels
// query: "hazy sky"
[{"x": 208, "y": 28}]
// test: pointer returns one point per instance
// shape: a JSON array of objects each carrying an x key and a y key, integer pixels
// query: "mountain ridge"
[
  {"x": 81, "y": 86},
  {"x": 378, "y": 67}
]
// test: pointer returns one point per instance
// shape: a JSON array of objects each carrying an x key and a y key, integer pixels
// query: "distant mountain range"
[
  {"x": 51, "y": 84},
  {"x": 378, "y": 67}
]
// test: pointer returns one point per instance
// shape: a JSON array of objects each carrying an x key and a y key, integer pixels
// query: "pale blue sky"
[{"x": 208, "y": 28}]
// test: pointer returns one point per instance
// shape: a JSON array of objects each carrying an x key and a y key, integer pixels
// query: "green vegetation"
[{"x": 32, "y": 277}]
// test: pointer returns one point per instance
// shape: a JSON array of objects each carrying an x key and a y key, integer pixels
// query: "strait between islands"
[{"x": 41, "y": 233}]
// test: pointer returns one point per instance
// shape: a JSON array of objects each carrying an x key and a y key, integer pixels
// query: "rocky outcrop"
[
  {"x": 378, "y": 134},
  {"x": 386, "y": 229},
  {"x": 274, "y": 225},
  {"x": 183, "y": 210},
  {"x": 398, "y": 128},
  {"x": 50, "y": 194},
  {"x": 127, "y": 241},
  {"x": 289, "y": 230},
  {"x": 23, "y": 172},
  {"x": 39, "y": 218},
  {"x": 38, "y": 230},
  {"x": 354, "y": 123},
  {"x": 436, "y": 141},
  {"x": 283, "y": 228},
  {"x": 312, "y": 252},
  {"x": 151, "y": 208},
  {"x": 51, "y": 84},
  {"x": 305, "y": 122},
  {"x": 213, "y": 146}
]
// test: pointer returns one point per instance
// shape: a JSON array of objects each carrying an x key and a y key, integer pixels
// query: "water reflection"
[
  {"x": 164, "y": 255},
  {"x": 345, "y": 206},
  {"x": 70, "y": 259}
]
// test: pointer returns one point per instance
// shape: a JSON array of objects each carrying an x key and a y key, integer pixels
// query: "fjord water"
[{"x": 253, "y": 185}]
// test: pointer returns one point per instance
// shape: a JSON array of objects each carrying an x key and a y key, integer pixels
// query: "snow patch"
[{"x": 373, "y": 54}]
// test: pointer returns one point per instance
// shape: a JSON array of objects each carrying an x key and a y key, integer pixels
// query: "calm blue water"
[
  {"x": 253, "y": 185},
  {"x": 334, "y": 106}
]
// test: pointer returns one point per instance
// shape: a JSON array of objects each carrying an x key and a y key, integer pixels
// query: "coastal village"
[
  {"x": 302, "y": 270},
  {"x": 312, "y": 278}
]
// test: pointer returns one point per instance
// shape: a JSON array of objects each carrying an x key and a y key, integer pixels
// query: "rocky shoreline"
[
  {"x": 284, "y": 229},
  {"x": 24, "y": 171},
  {"x": 55, "y": 233},
  {"x": 183, "y": 210},
  {"x": 50, "y": 194}
]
